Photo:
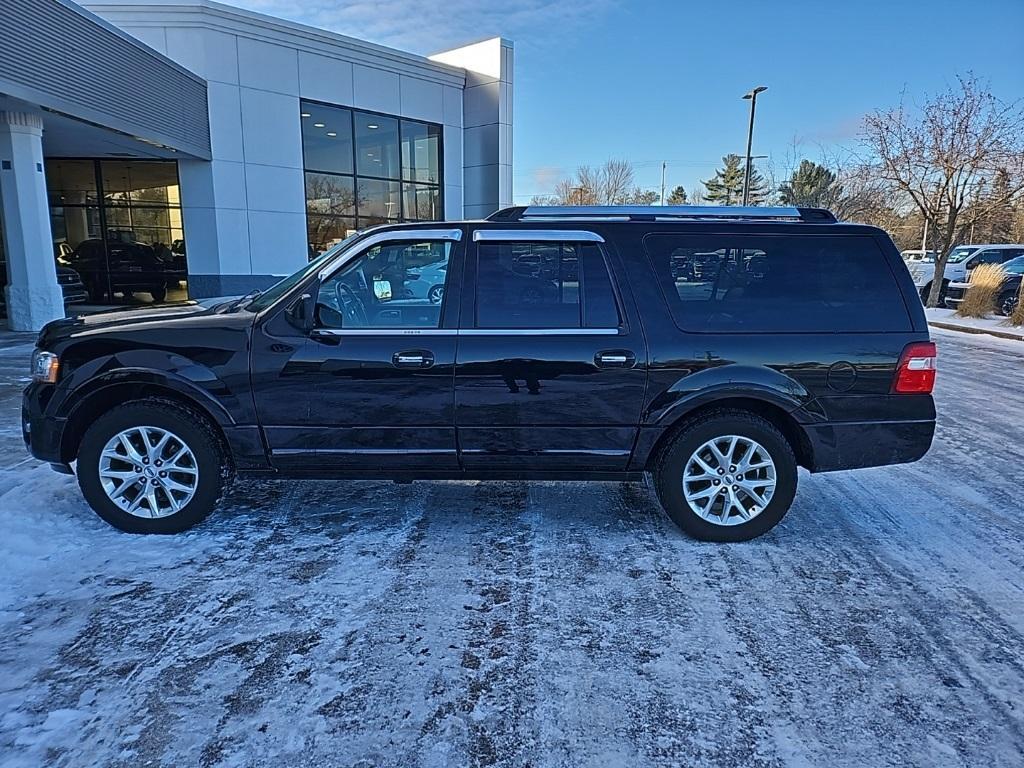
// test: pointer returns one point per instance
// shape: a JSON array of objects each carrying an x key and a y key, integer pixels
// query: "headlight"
[{"x": 45, "y": 366}]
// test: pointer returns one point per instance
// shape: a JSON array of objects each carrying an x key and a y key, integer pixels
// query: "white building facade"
[{"x": 304, "y": 137}]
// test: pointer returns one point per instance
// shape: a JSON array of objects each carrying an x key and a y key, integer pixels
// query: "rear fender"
[{"x": 731, "y": 381}]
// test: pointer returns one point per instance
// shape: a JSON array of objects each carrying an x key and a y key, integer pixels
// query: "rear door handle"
[
  {"x": 413, "y": 358},
  {"x": 615, "y": 358}
]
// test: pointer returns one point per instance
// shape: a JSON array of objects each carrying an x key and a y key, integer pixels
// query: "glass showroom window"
[
  {"x": 364, "y": 168},
  {"x": 118, "y": 223}
]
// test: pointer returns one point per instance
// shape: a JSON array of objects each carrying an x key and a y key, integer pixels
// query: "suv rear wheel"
[
  {"x": 1008, "y": 302},
  {"x": 728, "y": 476},
  {"x": 151, "y": 466}
]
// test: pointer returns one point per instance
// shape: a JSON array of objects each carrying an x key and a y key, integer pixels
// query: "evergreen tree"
[
  {"x": 811, "y": 185},
  {"x": 726, "y": 188},
  {"x": 677, "y": 197},
  {"x": 642, "y": 197}
]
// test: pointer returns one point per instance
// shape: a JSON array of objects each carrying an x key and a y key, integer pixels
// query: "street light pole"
[{"x": 750, "y": 139}]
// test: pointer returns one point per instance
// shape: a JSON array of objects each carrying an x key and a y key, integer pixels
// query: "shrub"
[{"x": 980, "y": 299}]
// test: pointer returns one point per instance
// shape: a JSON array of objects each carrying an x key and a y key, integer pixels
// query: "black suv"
[{"x": 716, "y": 348}]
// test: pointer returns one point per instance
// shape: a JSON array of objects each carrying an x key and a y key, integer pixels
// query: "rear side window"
[
  {"x": 777, "y": 283},
  {"x": 543, "y": 285}
]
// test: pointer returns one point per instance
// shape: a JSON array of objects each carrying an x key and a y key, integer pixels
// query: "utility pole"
[
  {"x": 663, "y": 165},
  {"x": 750, "y": 139},
  {"x": 924, "y": 237}
]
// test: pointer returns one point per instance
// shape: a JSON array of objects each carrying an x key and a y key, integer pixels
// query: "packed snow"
[{"x": 544, "y": 624}]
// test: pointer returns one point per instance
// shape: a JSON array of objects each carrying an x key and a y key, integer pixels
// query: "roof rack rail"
[{"x": 656, "y": 212}]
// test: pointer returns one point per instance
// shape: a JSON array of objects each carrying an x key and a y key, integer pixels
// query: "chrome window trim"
[
  {"x": 466, "y": 332},
  {"x": 536, "y": 235},
  {"x": 362, "y": 245}
]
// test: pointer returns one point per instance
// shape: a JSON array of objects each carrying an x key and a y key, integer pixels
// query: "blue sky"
[{"x": 654, "y": 81}]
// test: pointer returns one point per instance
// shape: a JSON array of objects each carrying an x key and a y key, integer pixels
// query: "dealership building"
[{"x": 165, "y": 149}]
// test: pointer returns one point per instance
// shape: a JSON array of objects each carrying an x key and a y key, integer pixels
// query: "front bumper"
[
  {"x": 955, "y": 294},
  {"x": 42, "y": 434}
]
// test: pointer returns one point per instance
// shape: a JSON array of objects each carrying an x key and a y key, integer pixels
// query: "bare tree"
[
  {"x": 944, "y": 155},
  {"x": 609, "y": 184}
]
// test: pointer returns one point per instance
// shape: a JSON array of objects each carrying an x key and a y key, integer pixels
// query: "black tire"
[
  {"x": 942, "y": 293},
  {"x": 96, "y": 293},
  {"x": 668, "y": 473},
  {"x": 1007, "y": 303},
  {"x": 158, "y": 294},
  {"x": 194, "y": 430}
]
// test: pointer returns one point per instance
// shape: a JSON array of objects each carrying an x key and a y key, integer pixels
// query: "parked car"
[
  {"x": 961, "y": 261},
  {"x": 807, "y": 347},
  {"x": 69, "y": 281},
  {"x": 1009, "y": 291},
  {"x": 427, "y": 282},
  {"x": 130, "y": 267}
]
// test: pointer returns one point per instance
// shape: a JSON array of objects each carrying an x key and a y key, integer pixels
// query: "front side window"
[
  {"x": 544, "y": 285},
  {"x": 755, "y": 284},
  {"x": 399, "y": 284}
]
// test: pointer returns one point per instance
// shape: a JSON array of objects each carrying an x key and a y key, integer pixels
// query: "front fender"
[{"x": 159, "y": 368}]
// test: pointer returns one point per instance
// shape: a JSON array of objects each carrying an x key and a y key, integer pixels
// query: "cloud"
[
  {"x": 547, "y": 176},
  {"x": 429, "y": 27}
]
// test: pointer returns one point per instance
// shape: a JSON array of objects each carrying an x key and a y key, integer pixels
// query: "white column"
[
  {"x": 33, "y": 296},
  {"x": 487, "y": 124}
]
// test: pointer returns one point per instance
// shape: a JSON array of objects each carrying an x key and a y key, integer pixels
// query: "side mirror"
[{"x": 301, "y": 313}]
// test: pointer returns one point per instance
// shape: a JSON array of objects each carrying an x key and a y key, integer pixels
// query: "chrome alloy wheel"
[
  {"x": 729, "y": 480},
  {"x": 148, "y": 471}
]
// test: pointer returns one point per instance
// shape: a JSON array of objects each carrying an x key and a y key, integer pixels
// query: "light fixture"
[
  {"x": 331, "y": 133},
  {"x": 304, "y": 114},
  {"x": 318, "y": 125},
  {"x": 373, "y": 126}
]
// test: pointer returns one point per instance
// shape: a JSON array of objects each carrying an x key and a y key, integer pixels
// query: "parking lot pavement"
[{"x": 544, "y": 624}]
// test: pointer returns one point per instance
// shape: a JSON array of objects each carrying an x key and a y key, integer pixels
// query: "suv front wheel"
[
  {"x": 151, "y": 466},
  {"x": 727, "y": 476}
]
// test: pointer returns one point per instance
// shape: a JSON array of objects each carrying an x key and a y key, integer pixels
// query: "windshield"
[
  {"x": 960, "y": 254},
  {"x": 1015, "y": 266},
  {"x": 279, "y": 289}
]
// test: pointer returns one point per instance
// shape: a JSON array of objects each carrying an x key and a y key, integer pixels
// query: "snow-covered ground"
[
  {"x": 545, "y": 624},
  {"x": 994, "y": 324}
]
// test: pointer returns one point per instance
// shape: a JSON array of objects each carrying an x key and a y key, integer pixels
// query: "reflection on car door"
[{"x": 551, "y": 369}]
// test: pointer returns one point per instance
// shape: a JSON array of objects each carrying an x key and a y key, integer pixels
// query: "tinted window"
[
  {"x": 326, "y": 138},
  {"x": 393, "y": 285},
  {"x": 540, "y": 285},
  {"x": 987, "y": 257},
  {"x": 747, "y": 283}
]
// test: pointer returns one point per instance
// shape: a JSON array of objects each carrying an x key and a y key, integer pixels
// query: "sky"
[{"x": 661, "y": 81}]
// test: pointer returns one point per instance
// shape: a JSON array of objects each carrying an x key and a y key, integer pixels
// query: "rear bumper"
[{"x": 855, "y": 445}]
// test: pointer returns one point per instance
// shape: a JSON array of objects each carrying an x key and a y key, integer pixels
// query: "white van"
[{"x": 962, "y": 260}]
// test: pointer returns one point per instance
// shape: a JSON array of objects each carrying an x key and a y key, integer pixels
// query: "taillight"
[{"x": 916, "y": 371}]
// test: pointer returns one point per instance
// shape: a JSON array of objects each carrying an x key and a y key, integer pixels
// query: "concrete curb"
[{"x": 967, "y": 329}]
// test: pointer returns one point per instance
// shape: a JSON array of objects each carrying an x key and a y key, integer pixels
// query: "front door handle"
[
  {"x": 614, "y": 358},
  {"x": 413, "y": 358}
]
